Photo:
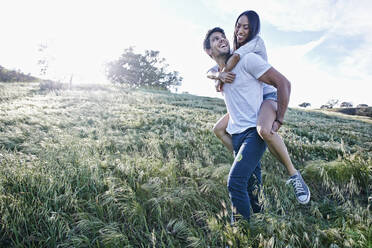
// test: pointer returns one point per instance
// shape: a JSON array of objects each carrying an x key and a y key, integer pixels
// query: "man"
[{"x": 243, "y": 99}]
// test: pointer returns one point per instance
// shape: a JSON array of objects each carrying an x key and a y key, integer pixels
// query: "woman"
[{"x": 246, "y": 39}]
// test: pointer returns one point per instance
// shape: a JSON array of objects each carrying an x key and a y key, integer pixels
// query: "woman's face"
[{"x": 242, "y": 29}]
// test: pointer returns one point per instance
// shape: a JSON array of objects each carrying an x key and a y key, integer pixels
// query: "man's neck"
[{"x": 221, "y": 60}]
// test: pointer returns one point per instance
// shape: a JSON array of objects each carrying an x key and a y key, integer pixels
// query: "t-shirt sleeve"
[
  {"x": 246, "y": 48},
  {"x": 255, "y": 65}
]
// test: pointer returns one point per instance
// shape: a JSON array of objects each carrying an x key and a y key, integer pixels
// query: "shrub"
[{"x": 49, "y": 85}]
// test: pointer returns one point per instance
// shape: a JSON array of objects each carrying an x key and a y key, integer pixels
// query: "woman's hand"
[
  {"x": 226, "y": 77},
  {"x": 219, "y": 85}
]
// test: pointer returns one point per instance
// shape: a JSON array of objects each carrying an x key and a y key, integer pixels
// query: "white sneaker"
[{"x": 300, "y": 188}]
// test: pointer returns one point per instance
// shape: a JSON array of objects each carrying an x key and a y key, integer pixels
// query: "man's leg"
[
  {"x": 245, "y": 163},
  {"x": 254, "y": 188}
]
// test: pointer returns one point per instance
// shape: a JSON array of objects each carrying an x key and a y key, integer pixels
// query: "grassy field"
[{"x": 103, "y": 166}]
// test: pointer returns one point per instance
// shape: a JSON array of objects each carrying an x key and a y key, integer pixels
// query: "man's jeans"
[{"x": 245, "y": 173}]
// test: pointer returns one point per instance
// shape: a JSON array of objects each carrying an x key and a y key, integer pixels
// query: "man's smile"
[{"x": 223, "y": 44}]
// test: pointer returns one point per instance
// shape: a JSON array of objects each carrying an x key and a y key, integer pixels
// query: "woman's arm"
[
  {"x": 212, "y": 74},
  {"x": 224, "y": 77},
  {"x": 231, "y": 62},
  {"x": 254, "y": 46}
]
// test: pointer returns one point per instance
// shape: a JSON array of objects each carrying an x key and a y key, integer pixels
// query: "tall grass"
[{"x": 109, "y": 167}]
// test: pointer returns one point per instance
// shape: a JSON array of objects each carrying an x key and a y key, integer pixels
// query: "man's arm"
[{"x": 281, "y": 83}]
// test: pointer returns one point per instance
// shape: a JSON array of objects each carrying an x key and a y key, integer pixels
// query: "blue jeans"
[
  {"x": 245, "y": 173},
  {"x": 271, "y": 96}
]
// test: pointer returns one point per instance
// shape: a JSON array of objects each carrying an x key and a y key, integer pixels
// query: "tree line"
[{"x": 332, "y": 103}]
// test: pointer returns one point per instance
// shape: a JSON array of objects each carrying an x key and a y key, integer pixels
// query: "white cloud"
[
  {"x": 301, "y": 15},
  {"x": 312, "y": 79},
  {"x": 312, "y": 83}
]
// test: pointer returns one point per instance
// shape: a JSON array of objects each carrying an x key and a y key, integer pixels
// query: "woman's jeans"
[{"x": 245, "y": 174}]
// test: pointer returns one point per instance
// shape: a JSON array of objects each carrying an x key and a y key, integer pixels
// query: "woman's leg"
[
  {"x": 266, "y": 118},
  {"x": 219, "y": 130},
  {"x": 277, "y": 147}
]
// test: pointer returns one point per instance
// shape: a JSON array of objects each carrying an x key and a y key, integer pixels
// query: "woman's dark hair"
[{"x": 254, "y": 27}]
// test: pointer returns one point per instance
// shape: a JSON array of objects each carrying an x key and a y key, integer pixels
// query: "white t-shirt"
[
  {"x": 243, "y": 97},
  {"x": 256, "y": 45}
]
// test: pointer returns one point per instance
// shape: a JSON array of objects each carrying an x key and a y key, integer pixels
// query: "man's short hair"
[{"x": 207, "y": 43}]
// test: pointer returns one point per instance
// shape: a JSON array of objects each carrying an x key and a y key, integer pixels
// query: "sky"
[{"x": 324, "y": 47}]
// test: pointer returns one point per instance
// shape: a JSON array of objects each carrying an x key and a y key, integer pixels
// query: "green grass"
[{"x": 104, "y": 166}]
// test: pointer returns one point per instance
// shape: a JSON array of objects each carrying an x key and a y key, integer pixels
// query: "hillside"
[
  {"x": 364, "y": 111},
  {"x": 103, "y": 166},
  {"x": 15, "y": 76}
]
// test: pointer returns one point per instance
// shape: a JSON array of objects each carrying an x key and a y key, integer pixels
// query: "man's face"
[{"x": 219, "y": 45}]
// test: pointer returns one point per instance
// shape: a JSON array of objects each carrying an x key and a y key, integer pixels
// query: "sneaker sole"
[{"x": 307, "y": 200}]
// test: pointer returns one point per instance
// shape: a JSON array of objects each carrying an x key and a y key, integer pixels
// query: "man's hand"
[
  {"x": 226, "y": 77},
  {"x": 275, "y": 78},
  {"x": 275, "y": 127}
]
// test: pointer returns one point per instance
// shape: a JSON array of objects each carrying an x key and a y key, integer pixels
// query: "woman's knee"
[
  {"x": 265, "y": 133},
  {"x": 219, "y": 131},
  {"x": 220, "y": 127}
]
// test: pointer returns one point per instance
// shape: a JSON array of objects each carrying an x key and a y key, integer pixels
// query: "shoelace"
[{"x": 296, "y": 182}]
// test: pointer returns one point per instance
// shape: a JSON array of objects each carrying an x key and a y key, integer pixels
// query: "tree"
[
  {"x": 330, "y": 104},
  {"x": 304, "y": 105},
  {"x": 333, "y": 102},
  {"x": 362, "y": 105},
  {"x": 346, "y": 105},
  {"x": 325, "y": 107},
  {"x": 43, "y": 61},
  {"x": 49, "y": 69},
  {"x": 137, "y": 70}
]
